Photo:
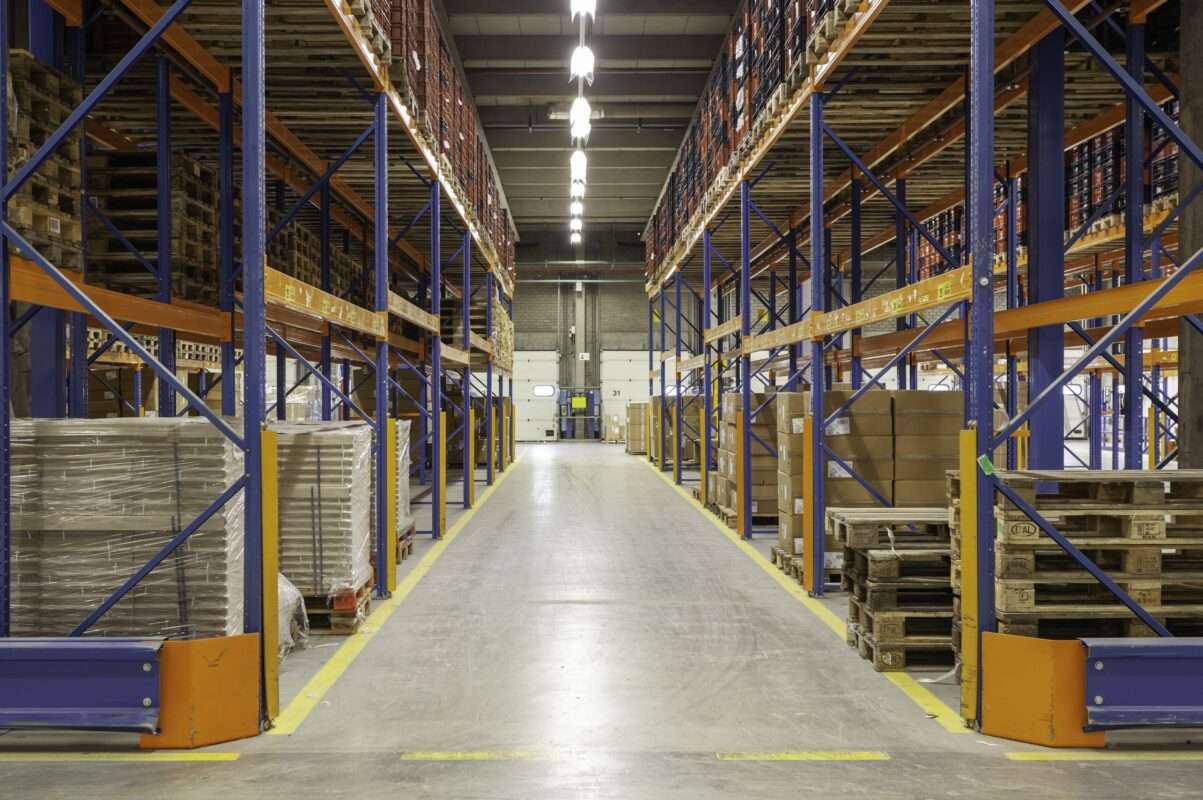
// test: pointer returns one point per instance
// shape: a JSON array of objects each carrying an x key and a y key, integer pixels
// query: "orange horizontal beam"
[
  {"x": 30, "y": 284},
  {"x": 1186, "y": 298}
]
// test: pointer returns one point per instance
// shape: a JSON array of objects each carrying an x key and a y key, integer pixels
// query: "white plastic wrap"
[
  {"x": 405, "y": 515},
  {"x": 293, "y": 628},
  {"x": 325, "y": 505},
  {"x": 94, "y": 500}
]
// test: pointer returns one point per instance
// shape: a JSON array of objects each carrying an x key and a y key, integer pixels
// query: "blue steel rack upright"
[{"x": 301, "y": 320}]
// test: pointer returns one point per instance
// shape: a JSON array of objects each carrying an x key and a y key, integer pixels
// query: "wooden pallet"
[
  {"x": 340, "y": 613},
  {"x": 901, "y": 626},
  {"x": 913, "y": 594},
  {"x": 796, "y": 569},
  {"x": 900, "y": 655},
  {"x": 889, "y": 565},
  {"x": 877, "y": 527},
  {"x": 1097, "y": 622},
  {"x": 405, "y": 542}
]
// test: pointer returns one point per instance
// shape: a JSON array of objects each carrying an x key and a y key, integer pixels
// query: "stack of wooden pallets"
[
  {"x": 1143, "y": 528},
  {"x": 125, "y": 188},
  {"x": 896, "y": 570},
  {"x": 46, "y": 210}
]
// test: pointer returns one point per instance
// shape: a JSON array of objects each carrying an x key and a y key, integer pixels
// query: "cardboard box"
[
  {"x": 920, "y": 413},
  {"x": 848, "y": 492},
  {"x": 789, "y": 492},
  {"x": 792, "y": 408},
  {"x": 862, "y": 448},
  {"x": 913, "y": 493},
  {"x": 789, "y": 532},
  {"x": 871, "y": 415}
]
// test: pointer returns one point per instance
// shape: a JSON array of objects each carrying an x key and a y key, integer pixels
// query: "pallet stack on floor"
[
  {"x": 46, "y": 209},
  {"x": 1143, "y": 528},
  {"x": 325, "y": 477},
  {"x": 94, "y": 500},
  {"x": 900, "y": 606}
]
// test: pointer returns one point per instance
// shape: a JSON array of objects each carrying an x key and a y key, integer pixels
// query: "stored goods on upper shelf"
[{"x": 46, "y": 209}]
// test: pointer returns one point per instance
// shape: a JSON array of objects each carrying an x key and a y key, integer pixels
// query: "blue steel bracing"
[
  {"x": 254, "y": 343},
  {"x": 225, "y": 237},
  {"x": 745, "y": 359},
  {"x": 323, "y": 180},
  {"x": 707, "y": 378},
  {"x": 663, "y": 435},
  {"x": 1078, "y": 556},
  {"x": 434, "y": 395},
  {"x": 677, "y": 372},
  {"x": 83, "y": 109},
  {"x": 163, "y": 201},
  {"x": 166, "y": 550},
  {"x": 117, "y": 330},
  {"x": 1134, "y": 246},
  {"x": 489, "y": 292},
  {"x": 466, "y": 333},
  {"x": 383, "y": 361},
  {"x": 980, "y": 350},
  {"x": 817, "y": 509}
]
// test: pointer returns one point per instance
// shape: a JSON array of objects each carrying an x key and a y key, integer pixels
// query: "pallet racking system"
[
  {"x": 297, "y": 90},
  {"x": 903, "y": 114}
]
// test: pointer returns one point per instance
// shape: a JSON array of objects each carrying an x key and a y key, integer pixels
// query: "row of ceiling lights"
[{"x": 580, "y": 119}]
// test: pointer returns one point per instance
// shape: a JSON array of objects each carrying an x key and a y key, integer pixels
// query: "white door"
[
  {"x": 623, "y": 379},
  {"x": 536, "y": 395}
]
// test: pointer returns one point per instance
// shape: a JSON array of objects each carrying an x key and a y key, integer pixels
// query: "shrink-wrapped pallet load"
[{"x": 94, "y": 500}]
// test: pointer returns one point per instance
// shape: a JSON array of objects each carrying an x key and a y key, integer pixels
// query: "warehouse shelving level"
[
  {"x": 856, "y": 153},
  {"x": 316, "y": 135}
]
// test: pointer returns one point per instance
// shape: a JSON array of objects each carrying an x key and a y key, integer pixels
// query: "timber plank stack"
[
  {"x": 46, "y": 209},
  {"x": 900, "y": 604},
  {"x": 1143, "y": 528}
]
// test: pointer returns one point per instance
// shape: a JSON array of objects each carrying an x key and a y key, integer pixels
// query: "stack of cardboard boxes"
[
  {"x": 636, "y": 429},
  {"x": 927, "y": 427},
  {"x": 763, "y": 485}
]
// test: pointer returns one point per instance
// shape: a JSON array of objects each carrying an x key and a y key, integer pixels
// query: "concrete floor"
[{"x": 589, "y": 634}]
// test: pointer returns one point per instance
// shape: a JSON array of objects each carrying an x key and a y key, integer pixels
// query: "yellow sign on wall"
[{"x": 579, "y": 404}]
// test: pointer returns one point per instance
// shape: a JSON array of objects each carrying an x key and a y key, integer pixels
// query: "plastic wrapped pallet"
[
  {"x": 404, "y": 460},
  {"x": 293, "y": 623},
  {"x": 325, "y": 503},
  {"x": 94, "y": 500}
]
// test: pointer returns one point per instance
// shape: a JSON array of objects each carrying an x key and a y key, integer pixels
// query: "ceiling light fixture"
[
  {"x": 574, "y": 238},
  {"x": 580, "y": 117},
  {"x": 577, "y": 190},
  {"x": 584, "y": 7},
  {"x": 575, "y": 225},
  {"x": 580, "y": 166},
  {"x": 576, "y": 208},
  {"x": 582, "y": 63}
]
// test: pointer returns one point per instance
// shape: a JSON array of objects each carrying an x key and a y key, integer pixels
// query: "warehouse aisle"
[{"x": 589, "y": 634}]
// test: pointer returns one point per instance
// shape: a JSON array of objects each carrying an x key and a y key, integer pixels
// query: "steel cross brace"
[
  {"x": 121, "y": 238},
  {"x": 316, "y": 372},
  {"x": 158, "y": 557},
  {"x": 1101, "y": 345},
  {"x": 79, "y": 296},
  {"x": 844, "y": 465},
  {"x": 885, "y": 192},
  {"x": 322, "y": 180},
  {"x": 1153, "y": 396},
  {"x": 894, "y": 362},
  {"x": 83, "y": 109}
]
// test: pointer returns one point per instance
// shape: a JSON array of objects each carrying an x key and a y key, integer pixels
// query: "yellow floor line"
[
  {"x": 850, "y": 755},
  {"x": 1114, "y": 756},
  {"x": 315, "y": 690},
  {"x": 477, "y": 755},
  {"x": 920, "y": 695},
  {"x": 115, "y": 758}
]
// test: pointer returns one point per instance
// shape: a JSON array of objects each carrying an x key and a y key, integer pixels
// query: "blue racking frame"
[
  {"x": 61, "y": 390},
  {"x": 972, "y": 297}
]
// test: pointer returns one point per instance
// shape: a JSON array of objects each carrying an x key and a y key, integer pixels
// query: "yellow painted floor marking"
[
  {"x": 315, "y": 690},
  {"x": 819, "y": 755},
  {"x": 920, "y": 695},
  {"x": 115, "y": 758},
  {"x": 477, "y": 755},
  {"x": 1077, "y": 755}
]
